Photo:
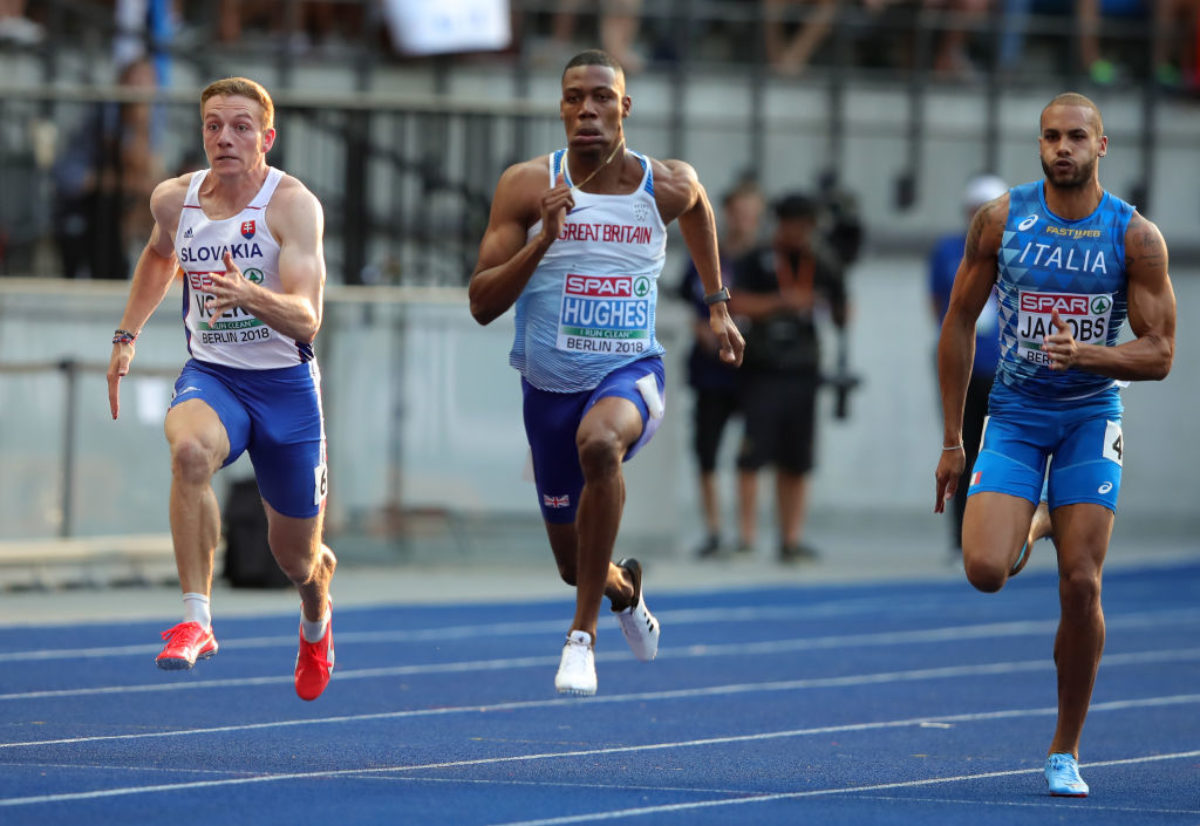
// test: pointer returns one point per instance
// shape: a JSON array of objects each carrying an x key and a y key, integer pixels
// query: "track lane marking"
[
  {"x": 1147, "y": 619},
  {"x": 697, "y": 743},
  {"x": 472, "y": 666},
  {"x": 770, "y": 798},
  {"x": 881, "y": 678}
]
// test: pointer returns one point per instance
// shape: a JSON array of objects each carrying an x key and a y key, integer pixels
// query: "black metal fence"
[{"x": 406, "y": 180}]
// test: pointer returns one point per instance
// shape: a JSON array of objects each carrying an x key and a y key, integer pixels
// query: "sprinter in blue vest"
[
  {"x": 576, "y": 241},
  {"x": 1070, "y": 262}
]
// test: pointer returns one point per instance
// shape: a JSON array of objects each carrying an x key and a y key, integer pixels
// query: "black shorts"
[
  {"x": 780, "y": 414},
  {"x": 713, "y": 410}
]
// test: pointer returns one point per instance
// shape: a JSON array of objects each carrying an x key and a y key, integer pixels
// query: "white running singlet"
[
  {"x": 589, "y": 307},
  {"x": 235, "y": 338}
]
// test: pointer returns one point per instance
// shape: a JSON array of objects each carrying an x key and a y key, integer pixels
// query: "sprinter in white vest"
[
  {"x": 247, "y": 241},
  {"x": 577, "y": 241}
]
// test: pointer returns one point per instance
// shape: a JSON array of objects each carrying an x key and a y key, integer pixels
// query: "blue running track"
[{"x": 916, "y": 703}]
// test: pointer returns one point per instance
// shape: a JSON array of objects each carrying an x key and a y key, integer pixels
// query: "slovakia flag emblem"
[{"x": 247, "y": 230}]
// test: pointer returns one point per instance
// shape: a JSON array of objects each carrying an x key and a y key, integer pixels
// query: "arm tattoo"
[
  {"x": 1145, "y": 246},
  {"x": 978, "y": 223}
]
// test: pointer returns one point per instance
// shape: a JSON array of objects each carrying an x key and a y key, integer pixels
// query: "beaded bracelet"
[{"x": 124, "y": 337}]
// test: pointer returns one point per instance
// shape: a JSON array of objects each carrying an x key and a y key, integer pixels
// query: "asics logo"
[
  {"x": 1027, "y": 223},
  {"x": 1105, "y": 488}
]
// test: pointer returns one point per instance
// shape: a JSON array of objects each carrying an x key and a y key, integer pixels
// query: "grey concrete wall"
[{"x": 423, "y": 412}]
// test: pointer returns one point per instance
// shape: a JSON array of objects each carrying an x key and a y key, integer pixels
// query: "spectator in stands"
[
  {"x": 961, "y": 17},
  {"x": 1088, "y": 14},
  {"x": 145, "y": 28},
  {"x": 781, "y": 290},
  {"x": 1094, "y": 61},
  {"x": 619, "y": 23},
  {"x": 103, "y": 178},
  {"x": 943, "y": 265},
  {"x": 1176, "y": 36},
  {"x": 713, "y": 381},
  {"x": 15, "y": 27},
  {"x": 298, "y": 26},
  {"x": 791, "y": 53}
]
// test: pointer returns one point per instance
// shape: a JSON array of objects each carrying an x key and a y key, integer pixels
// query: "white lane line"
[
  {"x": 848, "y": 681},
  {"x": 613, "y": 750},
  {"x": 566, "y": 784},
  {"x": 1046, "y": 803},
  {"x": 1147, "y": 619},
  {"x": 686, "y": 616},
  {"x": 770, "y": 798},
  {"x": 471, "y": 666},
  {"x": 109, "y": 766}
]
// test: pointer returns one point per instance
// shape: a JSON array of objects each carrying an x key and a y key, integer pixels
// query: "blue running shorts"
[
  {"x": 1023, "y": 432},
  {"x": 552, "y": 420},
  {"x": 275, "y": 416}
]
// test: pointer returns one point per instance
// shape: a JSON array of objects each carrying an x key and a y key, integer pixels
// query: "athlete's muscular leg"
[
  {"x": 995, "y": 526},
  {"x": 308, "y": 562},
  {"x": 198, "y": 445},
  {"x": 1081, "y": 533},
  {"x": 606, "y": 433},
  {"x": 564, "y": 541}
]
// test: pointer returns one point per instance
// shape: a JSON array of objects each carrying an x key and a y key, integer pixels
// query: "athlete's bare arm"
[
  {"x": 507, "y": 259},
  {"x": 1151, "y": 317},
  {"x": 681, "y": 196},
  {"x": 297, "y": 221},
  {"x": 973, "y": 283},
  {"x": 152, "y": 277}
]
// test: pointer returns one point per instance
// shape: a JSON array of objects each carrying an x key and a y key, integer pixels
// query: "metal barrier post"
[
  {"x": 70, "y": 370},
  {"x": 356, "y": 227}
]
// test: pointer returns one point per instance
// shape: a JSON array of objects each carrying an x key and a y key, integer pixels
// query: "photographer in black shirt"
[{"x": 782, "y": 289}]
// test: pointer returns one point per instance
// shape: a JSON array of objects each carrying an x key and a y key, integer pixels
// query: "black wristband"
[
  {"x": 123, "y": 337},
  {"x": 717, "y": 297}
]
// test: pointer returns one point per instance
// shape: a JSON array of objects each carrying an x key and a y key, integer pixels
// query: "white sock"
[
  {"x": 196, "y": 609},
  {"x": 314, "y": 631}
]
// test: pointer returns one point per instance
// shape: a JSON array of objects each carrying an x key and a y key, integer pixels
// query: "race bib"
[
  {"x": 234, "y": 326},
  {"x": 1088, "y": 316},
  {"x": 605, "y": 314}
]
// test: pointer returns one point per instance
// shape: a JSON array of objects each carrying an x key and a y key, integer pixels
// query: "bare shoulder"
[
  {"x": 1144, "y": 244},
  {"x": 166, "y": 201},
  {"x": 676, "y": 186},
  {"x": 520, "y": 188},
  {"x": 987, "y": 229},
  {"x": 673, "y": 175},
  {"x": 295, "y": 213},
  {"x": 525, "y": 177},
  {"x": 295, "y": 197}
]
